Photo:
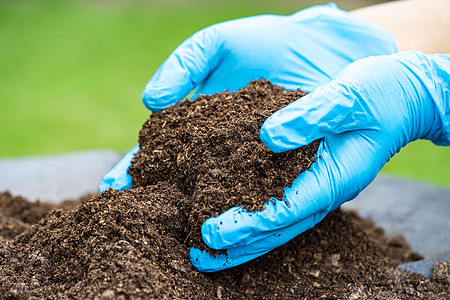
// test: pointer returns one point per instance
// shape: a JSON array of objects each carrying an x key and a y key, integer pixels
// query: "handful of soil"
[
  {"x": 198, "y": 159},
  {"x": 209, "y": 150}
]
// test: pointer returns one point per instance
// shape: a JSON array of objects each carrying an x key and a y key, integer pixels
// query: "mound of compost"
[
  {"x": 210, "y": 150},
  {"x": 17, "y": 214},
  {"x": 134, "y": 244},
  {"x": 119, "y": 245}
]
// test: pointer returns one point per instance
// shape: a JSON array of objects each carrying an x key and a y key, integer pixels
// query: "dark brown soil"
[
  {"x": 210, "y": 150},
  {"x": 133, "y": 244},
  {"x": 118, "y": 246},
  {"x": 17, "y": 214},
  {"x": 441, "y": 272}
]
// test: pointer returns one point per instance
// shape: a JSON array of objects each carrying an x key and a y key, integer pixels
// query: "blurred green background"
[{"x": 72, "y": 72}]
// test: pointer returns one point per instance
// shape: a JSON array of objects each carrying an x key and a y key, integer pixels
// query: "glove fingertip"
[
  {"x": 104, "y": 185},
  {"x": 123, "y": 183},
  {"x": 205, "y": 262},
  {"x": 267, "y": 139},
  {"x": 278, "y": 136},
  {"x": 158, "y": 99},
  {"x": 119, "y": 184},
  {"x": 210, "y": 234},
  {"x": 118, "y": 177},
  {"x": 184, "y": 70},
  {"x": 227, "y": 229}
]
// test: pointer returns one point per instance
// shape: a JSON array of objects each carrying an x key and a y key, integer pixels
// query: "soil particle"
[{"x": 134, "y": 244}]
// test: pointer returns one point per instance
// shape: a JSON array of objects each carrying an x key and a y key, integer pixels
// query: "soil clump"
[
  {"x": 134, "y": 244},
  {"x": 210, "y": 150}
]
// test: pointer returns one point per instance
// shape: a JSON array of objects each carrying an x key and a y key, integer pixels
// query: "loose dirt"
[
  {"x": 134, "y": 244},
  {"x": 210, "y": 150}
]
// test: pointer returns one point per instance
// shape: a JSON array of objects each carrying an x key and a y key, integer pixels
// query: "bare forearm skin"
[{"x": 422, "y": 25}]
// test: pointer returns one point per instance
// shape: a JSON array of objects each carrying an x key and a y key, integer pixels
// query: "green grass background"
[{"x": 72, "y": 72}]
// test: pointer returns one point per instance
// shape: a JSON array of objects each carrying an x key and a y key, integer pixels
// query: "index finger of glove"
[
  {"x": 184, "y": 70},
  {"x": 330, "y": 109}
]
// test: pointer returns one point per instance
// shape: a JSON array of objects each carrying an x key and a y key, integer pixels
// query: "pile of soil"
[
  {"x": 135, "y": 243},
  {"x": 17, "y": 214},
  {"x": 210, "y": 150}
]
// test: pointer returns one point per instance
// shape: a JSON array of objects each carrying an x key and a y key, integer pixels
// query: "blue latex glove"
[
  {"x": 303, "y": 50},
  {"x": 366, "y": 114}
]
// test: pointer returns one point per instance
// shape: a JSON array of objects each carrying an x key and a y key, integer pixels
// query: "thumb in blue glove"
[
  {"x": 118, "y": 177},
  {"x": 366, "y": 114}
]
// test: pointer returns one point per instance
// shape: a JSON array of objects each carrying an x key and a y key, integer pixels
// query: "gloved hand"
[
  {"x": 366, "y": 114},
  {"x": 303, "y": 50}
]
